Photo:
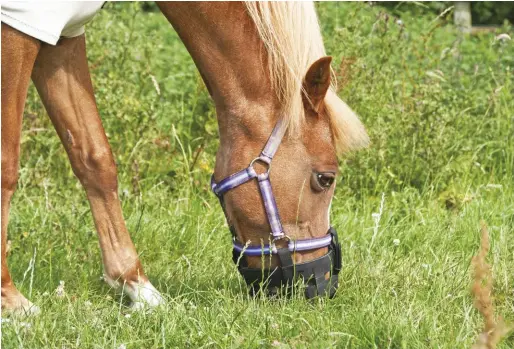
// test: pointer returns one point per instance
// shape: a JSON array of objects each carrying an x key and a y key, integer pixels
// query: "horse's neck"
[{"x": 226, "y": 48}]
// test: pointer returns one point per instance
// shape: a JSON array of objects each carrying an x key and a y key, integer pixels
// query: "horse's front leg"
[
  {"x": 19, "y": 52},
  {"x": 61, "y": 76}
]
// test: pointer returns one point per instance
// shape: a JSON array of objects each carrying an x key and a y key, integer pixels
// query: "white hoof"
[{"x": 144, "y": 295}]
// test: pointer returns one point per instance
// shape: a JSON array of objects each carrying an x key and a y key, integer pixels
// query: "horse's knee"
[{"x": 95, "y": 168}]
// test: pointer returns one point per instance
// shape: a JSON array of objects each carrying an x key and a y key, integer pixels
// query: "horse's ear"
[{"x": 316, "y": 83}]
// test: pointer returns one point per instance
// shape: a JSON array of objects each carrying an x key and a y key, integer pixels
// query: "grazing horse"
[{"x": 265, "y": 67}]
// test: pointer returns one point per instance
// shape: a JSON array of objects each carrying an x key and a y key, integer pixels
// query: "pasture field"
[{"x": 440, "y": 112}]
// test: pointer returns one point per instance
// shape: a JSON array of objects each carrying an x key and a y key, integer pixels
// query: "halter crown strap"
[{"x": 273, "y": 142}]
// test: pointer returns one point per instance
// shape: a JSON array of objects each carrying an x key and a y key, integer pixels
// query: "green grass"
[{"x": 440, "y": 112}]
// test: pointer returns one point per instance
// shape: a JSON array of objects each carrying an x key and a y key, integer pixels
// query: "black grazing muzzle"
[{"x": 313, "y": 273}]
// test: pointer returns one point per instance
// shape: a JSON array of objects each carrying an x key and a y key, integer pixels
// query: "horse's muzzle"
[{"x": 313, "y": 273}]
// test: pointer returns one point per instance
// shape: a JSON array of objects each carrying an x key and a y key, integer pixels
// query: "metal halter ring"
[{"x": 263, "y": 162}]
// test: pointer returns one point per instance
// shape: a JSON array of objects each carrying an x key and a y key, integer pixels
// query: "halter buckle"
[{"x": 283, "y": 236}]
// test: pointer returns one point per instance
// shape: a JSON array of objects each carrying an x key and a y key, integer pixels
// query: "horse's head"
[
  {"x": 281, "y": 127},
  {"x": 288, "y": 226}
]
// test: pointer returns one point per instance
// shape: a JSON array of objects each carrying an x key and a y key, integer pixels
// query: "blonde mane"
[{"x": 292, "y": 37}]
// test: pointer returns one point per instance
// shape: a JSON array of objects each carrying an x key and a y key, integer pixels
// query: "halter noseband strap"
[{"x": 312, "y": 272}]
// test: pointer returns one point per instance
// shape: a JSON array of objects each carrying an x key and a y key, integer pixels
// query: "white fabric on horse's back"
[{"x": 48, "y": 21}]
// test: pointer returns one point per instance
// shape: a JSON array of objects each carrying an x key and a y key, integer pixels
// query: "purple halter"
[
  {"x": 268, "y": 198},
  {"x": 313, "y": 272}
]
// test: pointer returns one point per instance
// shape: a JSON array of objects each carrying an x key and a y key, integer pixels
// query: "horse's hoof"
[
  {"x": 143, "y": 296},
  {"x": 19, "y": 306}
]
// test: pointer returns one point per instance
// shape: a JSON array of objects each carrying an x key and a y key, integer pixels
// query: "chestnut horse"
[{"x": 261, "y": 63}]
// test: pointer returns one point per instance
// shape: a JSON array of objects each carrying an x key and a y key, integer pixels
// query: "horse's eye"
[{"x": 323, "y": 180}]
